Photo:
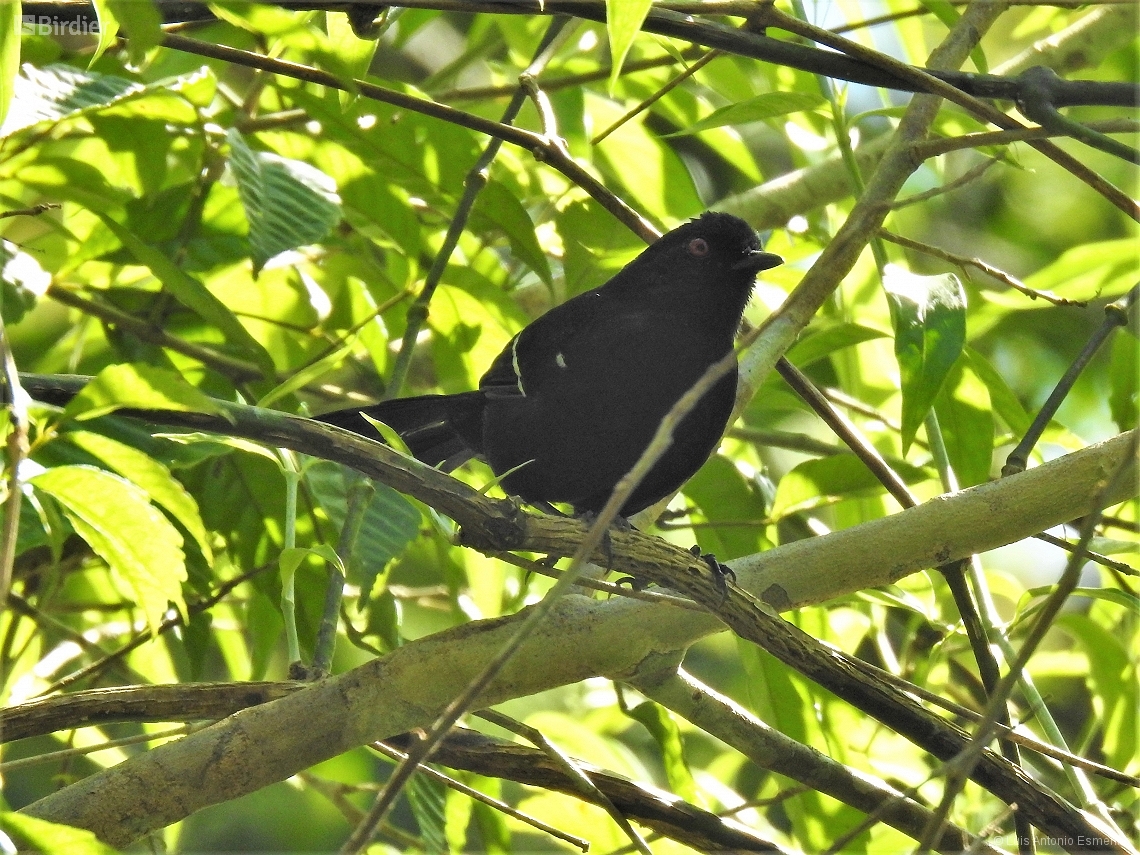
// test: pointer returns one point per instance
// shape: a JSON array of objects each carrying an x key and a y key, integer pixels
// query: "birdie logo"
[{"x": 49, "y": 25}]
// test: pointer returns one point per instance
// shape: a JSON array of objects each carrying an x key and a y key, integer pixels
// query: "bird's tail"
[{"x": 440, "y": 430}]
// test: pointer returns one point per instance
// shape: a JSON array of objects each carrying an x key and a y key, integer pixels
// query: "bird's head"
[{"x": 711, "y": 259}]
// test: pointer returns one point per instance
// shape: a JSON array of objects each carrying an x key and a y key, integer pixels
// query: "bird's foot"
[
  {"x": 619, "y": 523},
  {"x": 722, "y": 573}
]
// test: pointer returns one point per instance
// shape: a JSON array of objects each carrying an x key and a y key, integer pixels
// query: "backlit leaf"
[{"x": 929, "y": 317}]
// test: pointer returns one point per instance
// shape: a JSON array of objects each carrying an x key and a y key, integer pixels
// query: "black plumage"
[{"x": 575, "y": 398}]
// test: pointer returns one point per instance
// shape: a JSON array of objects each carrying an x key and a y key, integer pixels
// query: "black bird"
[{"x": 575, "y": 398}]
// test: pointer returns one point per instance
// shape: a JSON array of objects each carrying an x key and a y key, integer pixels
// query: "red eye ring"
[{"x": 698, "y": 247}]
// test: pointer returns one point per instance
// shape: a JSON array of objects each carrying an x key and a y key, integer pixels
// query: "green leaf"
[
  {"x": 353, "y": 53},
  {"x": 48, "y": 838},
  {"x": 291, "y": 557},
  {"x": 108, "y": 28},
  {"x": 1089, "y": 270},
  {"x": 288, "y": 202},
  {"x": 55, "y": 91},
  {"x": 1112, "y": 678},
  {"x": 825, "y": 338},
  {"x": 1124, "y": 599},
  {"x": 948, "y": 15},
  {"x": 264, "y": 626},
  {"x": 667, "y": 735},
  {"x": 22, "y": 282},
  {"x": 154, "y": 478},
  {"x": 198, "y": 640},
  {"x": 9, "y": 53},
  {"x": 138, "y": 387},
  {"x": 142, "y": 23},
  {"x": 1123, "y": 373},
  {"x": 384, "y": 618},
  {"x": 308, "y": 373},
  {"x": 778, "y": 699},
  {"x": 190, "y": 293},
  {"x": 499, "y": 206},
  {"x": 1002, "y": 398},
  {"x": 967, "y": 425},
  {"x": 929, "y": 317},
  {"x": 427, "y": 797},
  {"x": 722, "y": 493},
  {"x": 829, "y": 479},
  {"x": 120, "y": 524},
  {"x": 623, "y": 22},
  {"x": 766, "y": 106},
  {"x": 655, "y": 176}
]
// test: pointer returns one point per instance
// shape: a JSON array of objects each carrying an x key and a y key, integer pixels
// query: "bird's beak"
[{"x": 757, "y": 260}]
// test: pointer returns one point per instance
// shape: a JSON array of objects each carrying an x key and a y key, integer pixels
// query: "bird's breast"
[{"x": 593, "y": 403}]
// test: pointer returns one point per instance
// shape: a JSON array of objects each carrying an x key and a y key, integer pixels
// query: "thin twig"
[
  {"x": 988, "y": 269},
  {"x": 17, "y": 448},
  {"x": 572, "y": 770}
]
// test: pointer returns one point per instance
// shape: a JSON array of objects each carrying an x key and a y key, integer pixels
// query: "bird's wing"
[{"x": 534, "y": 354}]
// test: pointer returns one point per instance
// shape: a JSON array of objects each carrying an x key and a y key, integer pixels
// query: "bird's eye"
[{"x": 698, "y": 247}]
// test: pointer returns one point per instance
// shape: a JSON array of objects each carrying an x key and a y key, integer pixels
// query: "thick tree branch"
[{"x": 585, "y": 638}]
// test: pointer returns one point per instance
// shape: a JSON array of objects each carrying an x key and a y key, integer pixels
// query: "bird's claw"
[
  {"x": 632, "y": 582},
  {"x": 722, "y": 573}
]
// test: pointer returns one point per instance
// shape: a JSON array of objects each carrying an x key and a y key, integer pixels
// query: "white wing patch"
[{"x": 515, "y": 364}]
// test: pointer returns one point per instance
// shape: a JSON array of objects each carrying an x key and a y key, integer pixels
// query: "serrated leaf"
[
  {"x": 119, "y": 523},
  {"x": 426, "y": 797},
  {"x": 929, "y": 317},
  {"x": 150, "y": 475},
  {"x": 288, "y": 203},
  {"x": 623, "y": 22},
  {"x": 58, "y": 92},
  {"x": 190, "y": 293},
  {"x": 9, "y": 54},
  {"x": 766, "y": 106},
  {"x": 498, "y": 205},
  {"x": 138, "y": 387},
  {"x": 55, "y": 91}
]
